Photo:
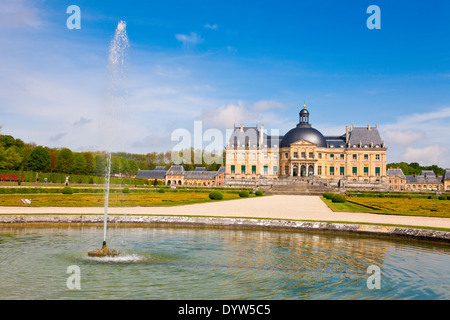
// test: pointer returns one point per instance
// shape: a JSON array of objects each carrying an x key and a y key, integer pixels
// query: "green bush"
[
  {"x": 244, "y": 194},
  {"x": 67, "y": 190},
  {"x": 215, "y": 195},
  {"x": 442, "y": 197},
  {"x": 161, "y": 190},
  {"x": 258, "y": 193},
  {"x": 126, "y": 190},
  {"x": 338, "y": 198},
  {"x": 328, "y": 195},
  {"x": 433, "y": 197}
]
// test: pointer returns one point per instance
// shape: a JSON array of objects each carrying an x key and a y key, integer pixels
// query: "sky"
[{"x": 225, "y": 63}]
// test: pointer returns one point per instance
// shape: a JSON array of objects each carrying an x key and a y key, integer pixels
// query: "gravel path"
[{"x": 295, "y": 207}]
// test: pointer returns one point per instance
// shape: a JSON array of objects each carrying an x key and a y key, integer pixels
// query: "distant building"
[
  {"x": 358, "y": 155},
  {"x": 425, "y": 182},
  {"x": 176, "y": 175}
]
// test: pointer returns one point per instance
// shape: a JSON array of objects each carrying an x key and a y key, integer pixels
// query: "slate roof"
[
  {"x": 151, "y": 174},
  {"x": 248, "y": 137},
  {"x": 396, "y": 173},
  {"x": 336, "y": 142},
  {"x": 175, "y": 170},
  {"x": 365, "y": 137},
  {"x": 446, "y": 175}
]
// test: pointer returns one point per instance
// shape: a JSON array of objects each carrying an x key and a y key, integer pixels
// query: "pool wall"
[{"x": 355, "y": 228}]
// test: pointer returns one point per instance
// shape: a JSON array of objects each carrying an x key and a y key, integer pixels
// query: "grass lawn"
[
  {"x": 115, "y": 200},
  {"x": 399, "y": 206}
]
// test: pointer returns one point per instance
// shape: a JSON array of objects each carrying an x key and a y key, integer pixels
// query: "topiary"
[
  {"x": 126, "y": 190},
  {"x": 161, "y": 190},
  {"x": 328, "y": 195},
  {"x": 442, "y": 197},
  {"x": 216, "y": 195},
  {"x": 244, "y": 194},
  {"x": 338, "y": 198},
  {"x": 67, "y": 190},
  {"x": 258, "y": 193}
]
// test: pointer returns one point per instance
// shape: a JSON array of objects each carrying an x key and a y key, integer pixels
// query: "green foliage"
[
  {"x": 67, "y": 190},
  {"x": 258, "y": 193},
  {"x": 338, "y": 198},
  {"x": 39, "y": 159},
  {"x": 161, "y": 190},
  {"x": 442, "y": 197},
  {"x": 100, "y": 165},
  {"x": 79, "y": 163},
  {"x": 216, "y": 195},
  {"x": 415, "y": 168},
  {"x": 328, "y": 195},
  {"x": 10, "y": 159},
  {"x": 65, "y": 160},
  {"x": 244, "y": 194},
  {"x": 126, "y": 190}
]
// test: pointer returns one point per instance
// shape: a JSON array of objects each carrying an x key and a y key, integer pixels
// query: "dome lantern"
[{"x": 304, "y": 116}]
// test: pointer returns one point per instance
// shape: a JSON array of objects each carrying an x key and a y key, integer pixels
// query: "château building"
[{"x": 358, "y": 155}]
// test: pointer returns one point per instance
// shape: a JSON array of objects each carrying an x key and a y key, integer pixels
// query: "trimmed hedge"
[
  {"x": 338, "y": 198},
  {"x": 67, "y": 190},
  {"x": 215, "y": 195},
  {"x": 258, "y": 193},
  {"x": 244, "y": 194},
  {"x": 443, "y": 197},
  {"x": 328, "y": 195},
  {"x": 126, "y": 190}
]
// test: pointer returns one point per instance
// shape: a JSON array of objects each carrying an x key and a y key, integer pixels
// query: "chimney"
[
  {"x": 242, "y": 128},
  {"x": 346, "y": 134},
  {"x": 261, "y": 135},
  {"x": 368, "y": 127}
]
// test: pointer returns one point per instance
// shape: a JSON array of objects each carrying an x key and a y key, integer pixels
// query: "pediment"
[{"x": 303, "y": 143}]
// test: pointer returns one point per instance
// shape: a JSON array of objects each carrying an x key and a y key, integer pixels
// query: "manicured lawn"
[
  {"x": 402, "y": 206},
  {"x": 115, "y": 200}
]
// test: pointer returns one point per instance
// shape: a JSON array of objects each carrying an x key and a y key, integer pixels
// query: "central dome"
[{"x": 303, "y": 131}]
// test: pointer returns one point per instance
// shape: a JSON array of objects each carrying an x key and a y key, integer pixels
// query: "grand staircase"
[{"x": 300, "y": 188}]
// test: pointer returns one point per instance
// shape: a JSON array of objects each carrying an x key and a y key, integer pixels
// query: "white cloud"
[
  {"x": 264, "y": 105},
  {"x": 402, "y": 137},
  {"x": 209, "y": 26},
  {"x": 18, "y": 14},
  {"x": 226, "y": 116},
  {"x": 192, "y": 38},
  {"x": 427, "y": 156}
]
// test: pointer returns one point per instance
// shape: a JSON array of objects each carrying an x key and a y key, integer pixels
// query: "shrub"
[
  {"x": 442, "y": 197},
  {"x": 244, "y": 194},
  {"x": 339, "y": 198},
  {"x": 161, "y": 190},
  {"x": 126, "y": 190},
  {"x": 258, "y": 193},
  {"x": 215, "y": 195},
  {"x": 432, "y": 197},
  {"x": 67, "y": 190},
  {"x": 328, "y": 195}
]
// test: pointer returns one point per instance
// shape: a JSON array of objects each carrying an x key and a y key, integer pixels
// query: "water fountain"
[{"x": 115, "y": 65}]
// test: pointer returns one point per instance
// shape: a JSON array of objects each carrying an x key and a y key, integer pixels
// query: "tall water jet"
[{"x": 117, "y": 102}]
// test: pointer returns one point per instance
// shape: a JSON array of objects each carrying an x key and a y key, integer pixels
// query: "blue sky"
[{"x": 226, "y": 62}]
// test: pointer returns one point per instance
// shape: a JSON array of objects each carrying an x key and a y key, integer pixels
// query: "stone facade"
[{"x": 359, "y": 155}]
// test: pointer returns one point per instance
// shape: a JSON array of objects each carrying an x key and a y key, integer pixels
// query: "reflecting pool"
[{"x": 213, "y": 263}]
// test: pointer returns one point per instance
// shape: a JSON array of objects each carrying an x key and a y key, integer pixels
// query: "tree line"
[
  {"x": 17, "y": 155},
  {"x": 415, "y": 168}
]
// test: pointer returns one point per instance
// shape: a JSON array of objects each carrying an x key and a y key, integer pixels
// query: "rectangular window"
[
  {"x": 355, "y": 157},
  {"x": 341, "y": 171},
  {"x": 295, "y": 155},
  {"x": 275, "y": 156},
  {"x": 253, "y": 169},
  {"x": 243, "y": 155},
  {"x": 319, "y": 169},
  {"x": 232, "y": 168},
  {"x": 366, "y": 157},
  {"x": 366, "y": 171},
  {"x": 266, "y": 170},
  {"x": 320, "y": 156},
  {"x": 342, "y": 156},
  {"x": 275, "y": 169},
  {"x": 286, "y": 170},
  {"x": 377, "y": 157},
  {"x": 377, "y": 171},
  {"x": 332, "y": 156},
  {"x": 286, "y": 155},
  {"x": 303, "y": 155},
  {"x": 331, "y": 171},
  {"x": 253, "y": 156},
  {"x": 242, "y": 169},
  {"x": 355, "y": 171},
  {"x": 311, "y": 155}
]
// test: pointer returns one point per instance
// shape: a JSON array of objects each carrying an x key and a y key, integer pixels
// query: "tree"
[
  {"x": 79, "y": 163},
  {"x": 65, "y": 160},
  {"x": 39, "y": 159},
  {"x": 54, "y": 158},
  {"x": 134, "y": 168},
  {"x": 100, "y": 165},
  {"x": 124, "y": 167},
  {"x": 115, "y": 165},
  {"x": 90, "y": 162}
]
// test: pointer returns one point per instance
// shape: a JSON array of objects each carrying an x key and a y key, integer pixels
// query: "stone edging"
[{"x": 115, "y": 220}]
